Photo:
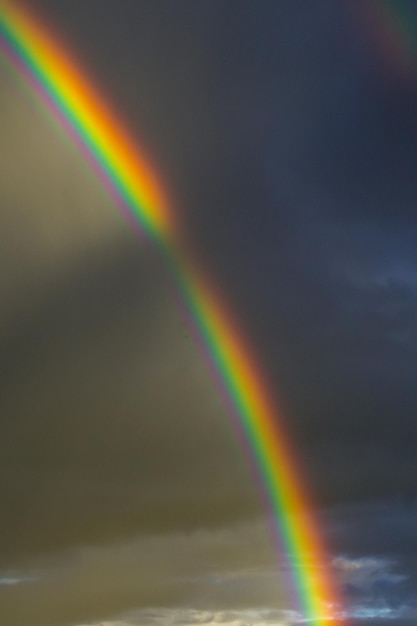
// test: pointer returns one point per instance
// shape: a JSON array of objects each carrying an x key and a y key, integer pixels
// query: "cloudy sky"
[{"x": 286, "y": 133}]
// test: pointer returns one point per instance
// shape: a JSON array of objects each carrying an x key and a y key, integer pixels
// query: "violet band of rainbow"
[{"x": 70, "y": 97}]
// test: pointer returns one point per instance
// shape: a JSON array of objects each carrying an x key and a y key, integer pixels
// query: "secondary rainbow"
[
  {"x": 391, "y": 26},
  {"x": 72, "y": 99}
]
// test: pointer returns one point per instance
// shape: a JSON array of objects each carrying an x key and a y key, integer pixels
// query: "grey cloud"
[
  {"x": 371, "y": 579},
  {"x": 194, "y": 617},
  {"x": 378, "y": 570},
  {"x": 161, "y": 571},
  {"x": 10, "y": 579},
  {"x": 111, "y": 423}
]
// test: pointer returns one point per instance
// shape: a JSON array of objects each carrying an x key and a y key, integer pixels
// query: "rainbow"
[
  {"x": 126, "y": 172},
  {"x": 392, "y": 26}
]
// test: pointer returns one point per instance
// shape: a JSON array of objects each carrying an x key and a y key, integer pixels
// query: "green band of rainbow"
[{"x": 71, "y": 97}]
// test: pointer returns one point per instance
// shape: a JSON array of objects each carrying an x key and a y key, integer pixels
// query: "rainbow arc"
[{"x": 71, "y": 98}]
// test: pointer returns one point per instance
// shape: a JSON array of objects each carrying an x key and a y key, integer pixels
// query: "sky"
[{"x": 285, "y": 133}]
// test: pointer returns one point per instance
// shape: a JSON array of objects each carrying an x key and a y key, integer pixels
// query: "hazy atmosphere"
[{"x": 285, "y": 132}]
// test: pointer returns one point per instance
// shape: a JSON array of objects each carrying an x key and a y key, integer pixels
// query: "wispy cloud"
[
  {"x": 373, "y": 588},
  {"x": 16, "y": 580},
  {"x": 194, "y": 617}
]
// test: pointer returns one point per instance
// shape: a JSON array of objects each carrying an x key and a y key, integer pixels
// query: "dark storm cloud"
[
  {"x": 384, "y": 528},
  {"x": 110, "y": 424}
]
